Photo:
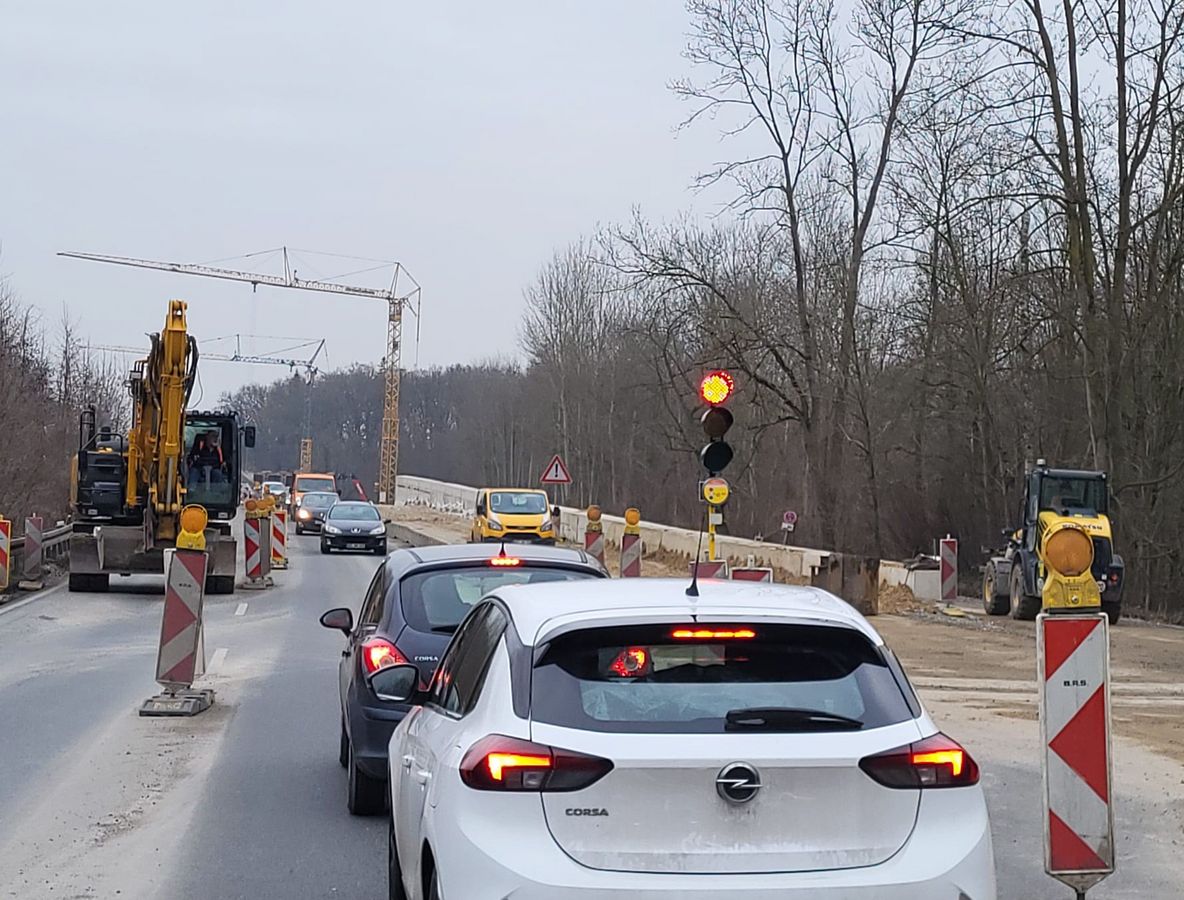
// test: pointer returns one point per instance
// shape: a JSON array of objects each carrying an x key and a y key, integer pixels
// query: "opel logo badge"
[{"x": 738, "y": 782}]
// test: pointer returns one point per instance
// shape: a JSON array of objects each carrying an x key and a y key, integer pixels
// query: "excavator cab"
[{"x": 213, "y": 462}]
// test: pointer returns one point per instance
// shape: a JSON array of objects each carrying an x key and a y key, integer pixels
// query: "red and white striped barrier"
[
  {"x": 5, "y": 552},
  {"x": 594, "y": 545},
  {"x": 630, "y": 555},
  {"x": 34, "y": 541},
  {"x": 180, "y": 654},
  {"x": 949, "y": 569},
  {"x": 752, "y": 573},
  {"x": 279, "y": 539},
  {"x": 1074, "y": 660},
  {"x": 709, "y": 568},
  {"x": 257, "y": 549}
]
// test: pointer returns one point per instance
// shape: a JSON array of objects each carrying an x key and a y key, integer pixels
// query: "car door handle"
[
  {"x": 407, "y": 761},
  {"x": 423, "y": 777}
]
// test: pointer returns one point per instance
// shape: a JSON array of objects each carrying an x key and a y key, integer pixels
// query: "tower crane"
[
  {"x": 397, "y": 302},
  {"x": 308, "y": 365}
]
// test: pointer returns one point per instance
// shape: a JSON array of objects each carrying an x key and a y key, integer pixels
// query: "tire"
[
  {"x": 219, "y": 584},
  {"x": 994, "y": 604},
  {"x": 299, "y": 530},
  {"x": 324, "y": 547},
  {"x": 365, "y": 796},
  {"x": 81, "y": 582},
  {"x": 1023, "y": 606},
  {"x": 1113, "y": 610},
  {"x": 380, "y": 551},
  {"x": 394, "y": 871},
  {"x": 343, "y": 751}
]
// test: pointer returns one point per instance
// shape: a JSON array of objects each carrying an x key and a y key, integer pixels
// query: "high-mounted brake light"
[
  {"x": 935, "y": 762},
  {"x": 707, "y": 634},
  {"x": 507, "y": 562},
  {"x": 378, "y": 653},
  {"x": 631, "y": 662},
  {"x": 500, "y": 763}
]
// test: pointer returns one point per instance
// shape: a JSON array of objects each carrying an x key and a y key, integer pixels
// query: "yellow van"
[{"x": 514, "y": 514}]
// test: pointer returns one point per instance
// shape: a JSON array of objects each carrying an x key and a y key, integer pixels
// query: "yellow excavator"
[{"x": 127, "y": 491}]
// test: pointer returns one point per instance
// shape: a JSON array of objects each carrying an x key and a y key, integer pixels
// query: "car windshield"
[
  {"x": 517, "y": 503},
  {"x": 318, "y": 500},
  {"x": 437, "y": 600},
  {"x": 274, "y": 487},
  {"x": 315, "y": 483},
  {"x": 210, "y": 473},
  {"x": 661, "y": 678},
  {"x": 356, "y": 512}
]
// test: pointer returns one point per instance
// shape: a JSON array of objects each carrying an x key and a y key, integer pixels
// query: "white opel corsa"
[{"x": 623, "y": 739}]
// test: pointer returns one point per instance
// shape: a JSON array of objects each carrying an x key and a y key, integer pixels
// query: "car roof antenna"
[
  {"x": 693, "y": 588},
  {"x": 502, "y": 552}
]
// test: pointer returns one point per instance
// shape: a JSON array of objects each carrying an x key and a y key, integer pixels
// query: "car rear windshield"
[
  {"x": 517, "y": 503},
  {"x": 687, "y": 679},
  {"x": 438, "y": 599}
]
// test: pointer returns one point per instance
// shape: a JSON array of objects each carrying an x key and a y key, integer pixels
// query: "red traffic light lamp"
[{"x": 716, "y": 387}]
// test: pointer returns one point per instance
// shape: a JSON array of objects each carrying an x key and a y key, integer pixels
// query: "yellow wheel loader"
[{"x": 1062, "y": 557}]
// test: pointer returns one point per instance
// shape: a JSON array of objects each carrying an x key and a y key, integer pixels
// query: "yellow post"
[{"x": 715, "y": 492}]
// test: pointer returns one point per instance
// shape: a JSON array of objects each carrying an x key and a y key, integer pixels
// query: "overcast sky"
[{"x": 466, "y": 139}]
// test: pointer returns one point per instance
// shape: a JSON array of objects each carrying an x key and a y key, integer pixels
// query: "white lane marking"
[
  {"x": 14, "y": 606},
  {"x": 242, "y": 610},
  {"x": 217, "y": 659}
]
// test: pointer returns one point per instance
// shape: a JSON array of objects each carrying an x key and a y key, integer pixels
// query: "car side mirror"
[
  {"x": 395, "y": 684},
  {"x": 249, "y": 436},
  {"x": 386, "y": 521},
  {"x": 340, "y": 619}
]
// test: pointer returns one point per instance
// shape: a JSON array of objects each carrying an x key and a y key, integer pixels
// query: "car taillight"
[
  {"x": 631, "y": 662},
  {"x": 377, "y": 653},
  {"x": 500, "y": 763},
  {"x": 935, "y": 762},
  {"x": 505, "y": 562}
]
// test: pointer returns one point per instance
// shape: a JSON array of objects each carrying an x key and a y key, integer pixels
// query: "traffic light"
[{"x": 715, "y": 389}]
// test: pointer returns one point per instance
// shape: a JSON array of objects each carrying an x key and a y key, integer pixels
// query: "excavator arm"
[{"x": 160, "y": 387}]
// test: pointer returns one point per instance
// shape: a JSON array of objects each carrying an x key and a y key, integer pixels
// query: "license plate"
[{"x": 355, "y": 546}]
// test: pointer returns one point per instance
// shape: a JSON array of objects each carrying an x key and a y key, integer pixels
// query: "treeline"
[
  {"x": 954, "y": 243},
  {"x": 46, "y": 379}
]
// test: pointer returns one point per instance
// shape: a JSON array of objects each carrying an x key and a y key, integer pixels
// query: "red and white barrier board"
[
  {"x": 949, "y": 569},
  {"x": 630, "y": 555},
  {"x": 180, "y": 626},
  {"x": 5, "y": 552},
  {"x": 752, "y": 573},
  {"x": 279, "y": 539},
  {"x": 594, "y": 545},
  {"x": 1074, "y": 660},
  {"x": 710, "y": 568}
]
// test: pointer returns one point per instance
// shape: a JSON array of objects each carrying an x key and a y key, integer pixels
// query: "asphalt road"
[{"x": 247, "y": 800}]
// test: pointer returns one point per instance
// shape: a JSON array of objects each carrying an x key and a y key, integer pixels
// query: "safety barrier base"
[
  {"x": 257, "y": 584},
  {"x": 182, "y": 703}
]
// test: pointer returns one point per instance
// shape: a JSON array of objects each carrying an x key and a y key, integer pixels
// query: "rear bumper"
[{"x": 484, "y": 852}]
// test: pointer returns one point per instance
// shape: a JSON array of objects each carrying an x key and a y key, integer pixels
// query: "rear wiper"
[
  {"x": 445, "y": 629},
  {"x": 787, "y": 718}
]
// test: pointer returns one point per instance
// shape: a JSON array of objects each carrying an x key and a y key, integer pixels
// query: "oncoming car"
[
  {"x": 353, "y": 525},
  {"x": 413, "y": 605},
  {"x": 514, "y": 514},
  {"x": 312, "y": 509},
  {"x": 621, "y": 738}
]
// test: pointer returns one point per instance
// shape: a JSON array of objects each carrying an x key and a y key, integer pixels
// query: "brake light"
[
  {"x": 935, "y": 762},
  {"x": 505, "y": 561},
  {"x": 631, "y": 662},
  {"x": 500, "y": 763},
  {"x": 378, "y": 653},
  {"x": 706, "y": 634},
  {"x": 1114, "y": 578}
]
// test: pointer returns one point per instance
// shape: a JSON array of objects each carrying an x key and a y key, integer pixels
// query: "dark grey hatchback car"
[{"x": 413, "y": 605}]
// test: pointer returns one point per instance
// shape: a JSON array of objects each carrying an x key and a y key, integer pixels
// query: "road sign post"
[
  {"x": 949, "y": 569},
  {"x": 715, "y": 492},
  {"x": 177, "y": 657},
  {"x": 1073, "y": 655},
  {"x": 789, "y": 521}
]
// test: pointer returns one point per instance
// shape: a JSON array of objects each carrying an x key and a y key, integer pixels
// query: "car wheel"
[
  {"x": 1023, "y": 606},
  {"x": 380, "y": 551},
  {"x": 1113, "y": 611},
  {"x": 343, "y": 752},
  {"x": 299, "y": 530},
  {"x": 324, "y": 547},
  {"x": 365, "y": 796},
  {"x": 394, "y": 872}
]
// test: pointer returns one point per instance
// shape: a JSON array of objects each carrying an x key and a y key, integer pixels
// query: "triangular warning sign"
[{"x": 556, "y": 472}]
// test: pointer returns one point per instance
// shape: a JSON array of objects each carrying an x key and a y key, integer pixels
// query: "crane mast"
[{"x": 388, "y": 464}]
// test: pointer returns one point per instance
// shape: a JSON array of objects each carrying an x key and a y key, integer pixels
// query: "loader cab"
[
  {"x": 213, "y": 448},
  {"x": 1067, "y": 492}
]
